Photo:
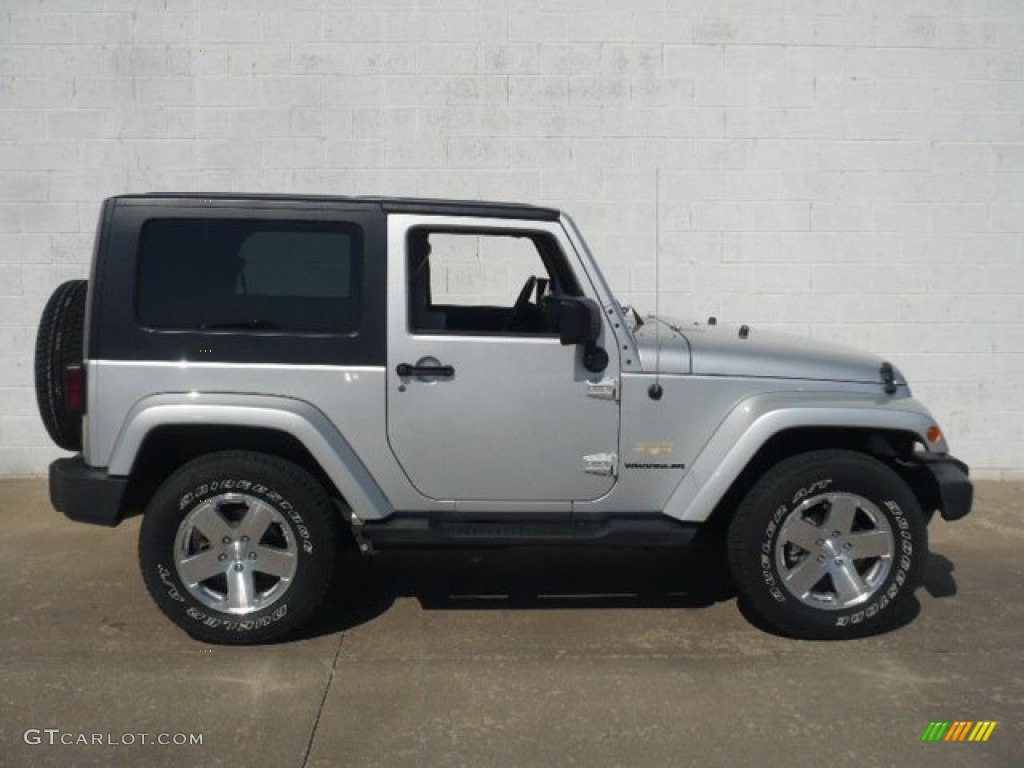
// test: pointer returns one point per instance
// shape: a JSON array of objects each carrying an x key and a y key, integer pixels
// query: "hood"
[{"x": 734, "y": 350}]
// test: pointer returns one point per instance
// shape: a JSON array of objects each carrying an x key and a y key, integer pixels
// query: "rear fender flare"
[{"x": 294, "y": 417}]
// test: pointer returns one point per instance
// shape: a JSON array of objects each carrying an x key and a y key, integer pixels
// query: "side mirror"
[{"x": 579, "y": 321}]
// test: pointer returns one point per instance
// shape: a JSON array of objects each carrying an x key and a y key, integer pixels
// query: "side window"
[
  {"x": 485, "y": 282},
  {"x": 313, "y": 264},
  {"x": 300, "y": 277}
]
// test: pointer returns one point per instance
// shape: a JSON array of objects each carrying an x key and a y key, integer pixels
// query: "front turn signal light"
[{"x": 933, "y": 435}]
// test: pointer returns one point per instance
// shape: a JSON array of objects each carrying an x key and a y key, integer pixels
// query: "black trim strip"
[
  {"x": 418, "y": 530},
  {"x": 430, "y": 206}
]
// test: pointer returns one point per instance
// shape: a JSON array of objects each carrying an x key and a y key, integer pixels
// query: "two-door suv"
[{"x": 265, "y": 377}]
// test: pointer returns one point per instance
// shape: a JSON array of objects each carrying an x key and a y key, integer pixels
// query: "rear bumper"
[
  {"x": 86, "y": 494},
  {"x": 953, "y": 489}
]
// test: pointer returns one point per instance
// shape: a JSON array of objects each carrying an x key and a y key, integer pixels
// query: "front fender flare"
[{"x": 757, "y": 419}]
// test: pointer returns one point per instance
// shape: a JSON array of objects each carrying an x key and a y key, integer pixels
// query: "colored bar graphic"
[
  {"x": 934, "y": 731},
  {"x": 958, "y": 730},
  {"x": 982, "y": 731}
]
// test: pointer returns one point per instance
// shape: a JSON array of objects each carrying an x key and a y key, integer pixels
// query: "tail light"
[{"x": 74, "y": 390}]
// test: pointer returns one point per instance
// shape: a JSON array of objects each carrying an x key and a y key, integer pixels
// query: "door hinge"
[
  {"x": 600, "y": 463},
  {"x": 605, "y": 389}
]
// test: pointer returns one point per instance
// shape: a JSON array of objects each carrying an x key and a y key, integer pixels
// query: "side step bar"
[{"x": 410, "y": 530}]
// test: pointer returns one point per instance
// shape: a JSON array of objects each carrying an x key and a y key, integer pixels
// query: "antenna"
[{"x": 655, "y": 392}]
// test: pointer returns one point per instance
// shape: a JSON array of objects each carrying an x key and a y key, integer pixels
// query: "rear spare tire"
[{"x": 59, "y": 346}]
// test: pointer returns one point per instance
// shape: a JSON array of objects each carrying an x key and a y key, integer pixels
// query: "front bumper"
[
  {"x": 86, "y": 494},
  {"x": 953, "y": 492}
]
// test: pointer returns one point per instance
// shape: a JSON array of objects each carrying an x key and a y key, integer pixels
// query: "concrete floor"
[{"x": 512, "y": 658}]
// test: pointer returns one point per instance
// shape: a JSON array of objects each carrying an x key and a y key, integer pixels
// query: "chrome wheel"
[
  {"x": 834, "y": 551},
  {"x": 235, "y": 553}
]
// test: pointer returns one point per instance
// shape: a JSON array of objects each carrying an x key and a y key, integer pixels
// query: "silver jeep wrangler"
[{"x": 268, "y": 377}]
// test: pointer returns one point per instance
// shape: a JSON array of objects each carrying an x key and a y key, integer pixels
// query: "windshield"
[{"x": 631, "y": 316}]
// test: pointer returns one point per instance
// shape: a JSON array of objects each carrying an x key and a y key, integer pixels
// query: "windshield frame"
[{"x": 622, "y": 326}]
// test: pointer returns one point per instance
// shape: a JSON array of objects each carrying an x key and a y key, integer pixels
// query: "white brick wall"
[{"x": 848, "y": 170}]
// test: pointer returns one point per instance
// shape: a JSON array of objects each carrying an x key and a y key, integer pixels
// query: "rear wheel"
[
  {"x": 59, "y": 342},
  {"x": 828, "y": 544},
  {"x": 239, "y": 547}
]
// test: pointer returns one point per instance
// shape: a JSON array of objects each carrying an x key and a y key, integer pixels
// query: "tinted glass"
[{"x": 249, "y": 275}]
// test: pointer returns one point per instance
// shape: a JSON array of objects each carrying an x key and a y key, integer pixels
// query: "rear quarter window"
[{"x": 244, "y": 275}]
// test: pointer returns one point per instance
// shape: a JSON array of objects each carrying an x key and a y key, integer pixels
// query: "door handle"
[{"x": 441, "y": 371}]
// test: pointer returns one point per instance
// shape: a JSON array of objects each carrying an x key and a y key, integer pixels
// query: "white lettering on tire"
[
  {"x": 232, "y": 625},
  {"x": 165, "y": 578}
]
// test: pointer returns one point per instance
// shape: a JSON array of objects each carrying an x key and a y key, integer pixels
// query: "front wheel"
[
  {"x": 238, "y": 547},
  {"x": 828, "y": 545}
]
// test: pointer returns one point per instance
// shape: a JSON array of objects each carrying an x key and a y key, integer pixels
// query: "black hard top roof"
[{"x": 389, "y": 204}]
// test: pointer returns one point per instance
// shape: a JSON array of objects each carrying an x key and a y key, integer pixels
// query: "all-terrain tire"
[
  {"x": 59, "y": 343},
  {"x": 239, "y": 547},
  {"x": 828, "y": 545}
]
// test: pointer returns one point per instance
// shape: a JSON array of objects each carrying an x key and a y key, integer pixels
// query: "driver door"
[{"x": 485, "y": 405}]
